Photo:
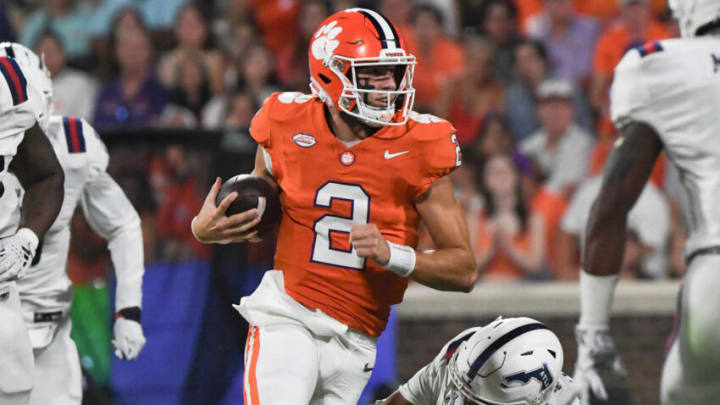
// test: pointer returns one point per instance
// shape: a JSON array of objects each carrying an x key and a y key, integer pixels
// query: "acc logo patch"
[{"x": 304, "y": 140}]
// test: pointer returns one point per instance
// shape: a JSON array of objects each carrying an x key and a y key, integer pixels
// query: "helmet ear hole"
[{"x": 324, "y": 78}]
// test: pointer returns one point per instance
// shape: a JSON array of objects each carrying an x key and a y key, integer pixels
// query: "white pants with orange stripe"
[
  {"x": 295, "y": 356},
  {"x": 692, "y": 367}
]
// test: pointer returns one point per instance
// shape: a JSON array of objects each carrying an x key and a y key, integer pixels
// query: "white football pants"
[
  {"x": 691, "y": 374},
  {"x": 16, "y": 361},
  {"x": 295, "y": 356},
  {"x": 58, "y": 377}
]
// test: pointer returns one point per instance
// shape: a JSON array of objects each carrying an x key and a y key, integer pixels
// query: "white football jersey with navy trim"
[
  {"x": 83, "y": 158},
  {"x": 674, "y": 86},
  {"x": 20, "y": 108},
  {"x": 431, "y": 385}
]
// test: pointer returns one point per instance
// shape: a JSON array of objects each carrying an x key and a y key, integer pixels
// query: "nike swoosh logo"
[
  {"x": 389, "y": 155},
  {"x": 368, "y": 369}
]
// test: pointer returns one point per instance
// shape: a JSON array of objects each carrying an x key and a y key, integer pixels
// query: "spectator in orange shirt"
[
  {"x": 467, "y": 99},
  {"x": 510, "y": 240},
  {"x": 635, "y": 27},
  {"x": 438, "y": 57},
  {"x": 273, "y": 17}
]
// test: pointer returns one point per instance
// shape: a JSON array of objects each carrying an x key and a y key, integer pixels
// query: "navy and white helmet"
[
  {"x": 513, "y": 361},
  {"x": 37, "y": 73},
  {"x": 694, "y": 14}
]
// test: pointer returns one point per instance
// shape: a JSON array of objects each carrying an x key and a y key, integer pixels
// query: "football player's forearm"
[
  {"x": 448, "y": 269},
  {"x": 42, "y": 177},
  {"x": 605, "y": 242},
  {"x": 42, "y": 203}
]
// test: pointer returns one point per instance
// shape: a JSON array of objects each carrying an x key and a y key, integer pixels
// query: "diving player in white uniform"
[
  {"x": 45, "y": 289},
  {"x": 515, "y": 361},
  {"x": 665, "y": 97},
  {"x": 26, "y": 152}
]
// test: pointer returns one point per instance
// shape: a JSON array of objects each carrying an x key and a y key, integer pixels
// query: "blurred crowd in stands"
[{"x": 525, "y": 82}]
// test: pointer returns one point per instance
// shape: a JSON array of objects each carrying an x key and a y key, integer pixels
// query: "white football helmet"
[
  {"x": 38, "y": 74},
  {"x": 513, "y": 361},
  {"x": 694, "y": 14}
]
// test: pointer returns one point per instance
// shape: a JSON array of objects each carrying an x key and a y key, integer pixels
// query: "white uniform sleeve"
[
  {"x": 112, "y": 216},
  {"x": 98, "y": 156},
  {"x": 424, "y": 387},
  {"x": 15, "y": 119},
  {"x": 629, "y": 96}
]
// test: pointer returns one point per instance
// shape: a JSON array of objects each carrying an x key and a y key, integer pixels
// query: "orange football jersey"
[{"x": 326, "y": 187}]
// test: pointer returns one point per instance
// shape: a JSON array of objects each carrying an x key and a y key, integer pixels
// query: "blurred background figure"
[
  {"x": 74, "y": 91},
  {"x": 189, "y": 95},
  {"x": 192, "y": 39},
  {"x": 498, "y": 23},
  {"x": 439, "y": 58},
  {"x": 468, "y": 98},
  {"x": 65, "y": 17},
  {"x": 509, "y": 241},
  {"x": 134, "y": 97},
  {"x": 256, "y": 73},
  {"x": 569, "y": 38},
  {"x": 560, "y": 148},
  {"x": 521, "y": 95},
  {"x": 291, "y": 61}
]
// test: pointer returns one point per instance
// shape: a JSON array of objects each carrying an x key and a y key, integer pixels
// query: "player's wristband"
[
  {"x": 129, "y": 313},
  {"x": 402, "y": 259},
  {"x": 596, "y": 296}
]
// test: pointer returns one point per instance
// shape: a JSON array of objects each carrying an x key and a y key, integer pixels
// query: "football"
[{"x": 253, "y": 192}]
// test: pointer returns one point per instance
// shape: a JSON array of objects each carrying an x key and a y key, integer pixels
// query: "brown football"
[{"x": 253, "y": 192}]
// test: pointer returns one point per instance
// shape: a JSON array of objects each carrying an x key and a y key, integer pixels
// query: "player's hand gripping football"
[
  {"x": 17, "y": 253},
  {"x": 212, "y": 226},
  {"x": 368, "y": 242},
  {"x": 596, "y": 351},
  {"x": 128, "y": 337}
]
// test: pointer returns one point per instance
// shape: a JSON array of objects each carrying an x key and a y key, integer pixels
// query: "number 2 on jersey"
[{"x": 323, "y": 251}]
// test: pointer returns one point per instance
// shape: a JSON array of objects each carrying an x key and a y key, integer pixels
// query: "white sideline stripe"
[{"x": 561, "y": 299}]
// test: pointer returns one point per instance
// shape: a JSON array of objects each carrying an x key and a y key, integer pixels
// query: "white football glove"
[
  {"x": 596, "y": 350},
  {"x": 566, "y": 392},
  {"x": 129, "y": 338},
  {"x": 17, "y": 253}
]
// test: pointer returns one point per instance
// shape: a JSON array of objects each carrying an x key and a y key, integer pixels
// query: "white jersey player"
[
  {"x": 45, "y": 289},
  {"x": 665, "y": 97},
  {"x": 26, "y": 152},
  {"x": 513, "y": 361}
]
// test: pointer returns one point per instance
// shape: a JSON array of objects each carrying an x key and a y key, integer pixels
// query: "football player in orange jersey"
[{"x": 357, "y": 170}]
